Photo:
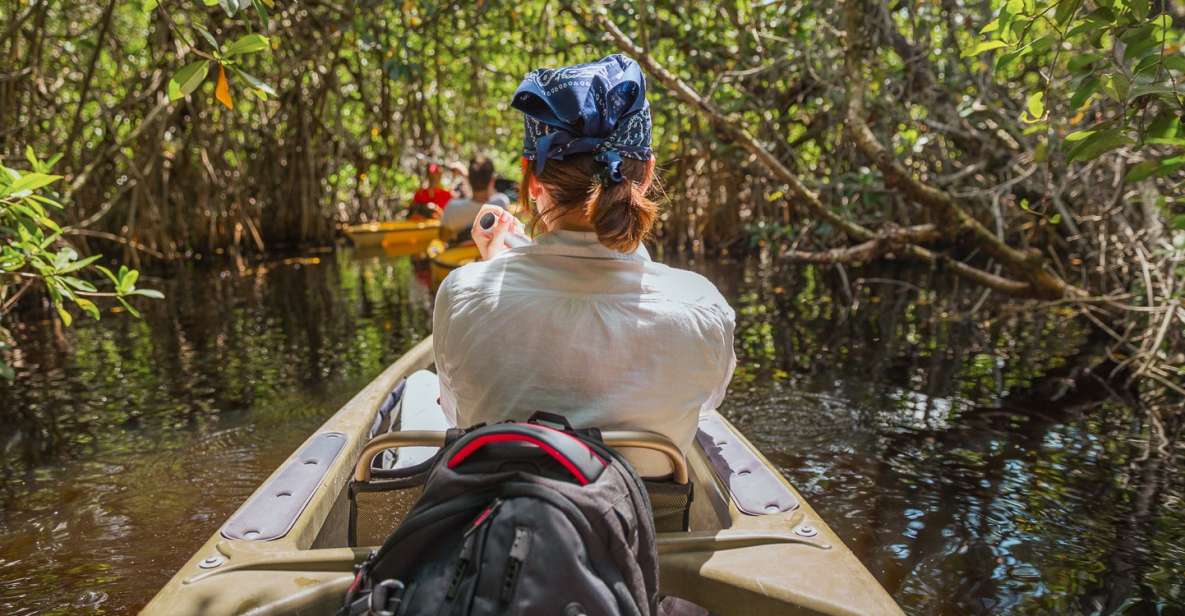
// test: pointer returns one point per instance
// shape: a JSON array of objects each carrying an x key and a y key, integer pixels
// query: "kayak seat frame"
[
  {"x": 670, "y": 497},
  {"x": 617, "y": 439}
]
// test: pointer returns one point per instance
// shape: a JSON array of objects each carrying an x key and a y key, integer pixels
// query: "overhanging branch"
[
  {"x": 1027, "y": 265},
  {"x": 595, "y": 20}
]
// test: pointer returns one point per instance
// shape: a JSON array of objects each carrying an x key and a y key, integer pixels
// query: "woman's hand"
[{"x": 492, "y": 242}]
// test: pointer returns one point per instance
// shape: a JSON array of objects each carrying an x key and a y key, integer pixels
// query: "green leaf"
[
  {"x": 1079, "y": 135},
  {"x": 1152, "y": 88},
  {"x": 106, "y": 272},
  {"x": 1146, "y": 68},
  {"x": 1139, "y": 8},
  {"x": 128, "y": 307},
  {"x": 1036, "y": 105},
  {"x": 1143, "y": 44},
  {"x": 991, "y": 26},
  {"x": 1165, "y": 127},
  {"x": 1066, "y": 10},
  {"x": 62, "y": 312},
  {"x": 29, "y": 182},
  {"x": 250, "y": 43},
  {"x": 1085, "y": 90},
  {"x": 1156, "y": 167},
  {"x": 1141, "y": 171},
  {"x": 79, "y": 264},
  {"x": 89, "y": 307},
  {"x": 1116, "y": 86},
  {"x": 79, "y": 284},
  {"x": 152, "y": 293},
  {"x": 1098, "y": 144},
  {"x": 209, "y": 37},
  {"x": 230, "y": 6},
  {"x": 186, "y": 80},
  {"x": 261, "y": 11},
  {"x": 43, "y": 200},
  {"x": 984, "y": 47},
  {"x": 1082, "y": 61},
  {"x": 127, "y": 280},
  {"x": 264, "y": 89}
]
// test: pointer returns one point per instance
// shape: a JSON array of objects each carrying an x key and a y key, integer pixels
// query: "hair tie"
[{"x": 611, "y": 159}]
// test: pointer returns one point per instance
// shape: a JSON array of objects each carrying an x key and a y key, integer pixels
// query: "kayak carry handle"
[{"x": 616, "y": 439}]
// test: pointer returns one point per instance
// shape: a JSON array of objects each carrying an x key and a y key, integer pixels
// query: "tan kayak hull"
[{"x": 731, "y": 563}]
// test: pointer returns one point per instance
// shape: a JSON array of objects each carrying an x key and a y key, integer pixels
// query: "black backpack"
[{"x": 518, "y": 518}]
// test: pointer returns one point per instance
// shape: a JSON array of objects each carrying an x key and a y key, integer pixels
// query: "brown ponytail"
[{"x": 621, "y": 214}]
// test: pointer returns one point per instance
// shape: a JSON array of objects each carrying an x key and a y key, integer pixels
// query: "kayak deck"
[{"x": 779, "y": 558}]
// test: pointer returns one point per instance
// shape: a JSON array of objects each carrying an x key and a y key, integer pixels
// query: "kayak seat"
[
  {"x": 419, "y": 410},
  {"x": 414, "y": 406}
]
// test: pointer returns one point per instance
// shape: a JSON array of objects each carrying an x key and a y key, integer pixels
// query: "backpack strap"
[
  {"x": 584, "y": 464},
  {"x": 559, "y": 422}
]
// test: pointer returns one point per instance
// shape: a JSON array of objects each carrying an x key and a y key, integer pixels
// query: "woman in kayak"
[
  {"x": 428, "y": 202},
  {"x": 582, "y": 322}
]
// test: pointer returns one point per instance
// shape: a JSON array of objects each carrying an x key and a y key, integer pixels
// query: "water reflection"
[
  {"x": 952, "y": 455},
  {"x": 949, "y": 453},
  {"x": 127, "y": 442}
]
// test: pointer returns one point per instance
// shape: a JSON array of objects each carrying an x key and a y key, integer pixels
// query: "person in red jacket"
[{"x": 428, "y": 202}]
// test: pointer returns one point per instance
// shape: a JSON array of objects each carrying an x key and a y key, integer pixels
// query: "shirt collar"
[{"x": 579, "y": 244}]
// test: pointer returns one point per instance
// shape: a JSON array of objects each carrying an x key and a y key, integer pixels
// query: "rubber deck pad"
[
  {"x": 756, "y": 489},
  {"x": 274, "y": 508}
]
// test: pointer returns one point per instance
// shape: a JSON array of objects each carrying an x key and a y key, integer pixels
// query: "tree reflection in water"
[
  {"x": 950, "y": 452},
  {"x": 127, "y": 442},
  {"x": 975, "y": 466}
]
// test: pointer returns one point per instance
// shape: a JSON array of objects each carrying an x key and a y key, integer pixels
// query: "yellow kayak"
[
  {"x": 747, "y": 544},
  {"x": 403, "y": 236},
  {"x": 444, "y": 260}
]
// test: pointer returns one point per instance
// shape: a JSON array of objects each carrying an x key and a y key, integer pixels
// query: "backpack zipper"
[
  {"x": 514, "y": 564},
  {"x": 483, "y": 516},
  {"x": 467, "y": 548}
]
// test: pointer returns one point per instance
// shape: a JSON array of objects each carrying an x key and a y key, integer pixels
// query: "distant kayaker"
[
  {"x": 430, "y": 200},
  {"x": 459, "y": 213},
  {"x": 582, "y": 322}
]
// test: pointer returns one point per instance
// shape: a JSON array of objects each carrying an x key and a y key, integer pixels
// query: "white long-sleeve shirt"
[{"x": 566, "y": 325}]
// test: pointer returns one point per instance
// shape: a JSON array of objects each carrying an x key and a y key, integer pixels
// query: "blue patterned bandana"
[{"x": 598, "y": 107}]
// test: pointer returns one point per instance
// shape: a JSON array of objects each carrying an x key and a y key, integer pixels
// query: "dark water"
[{"x": 943, "y": 448}]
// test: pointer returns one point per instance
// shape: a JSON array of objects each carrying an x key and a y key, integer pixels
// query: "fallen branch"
[
  {"x": 133, "y": 244},
  {"x": 893, "y": 239}
]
